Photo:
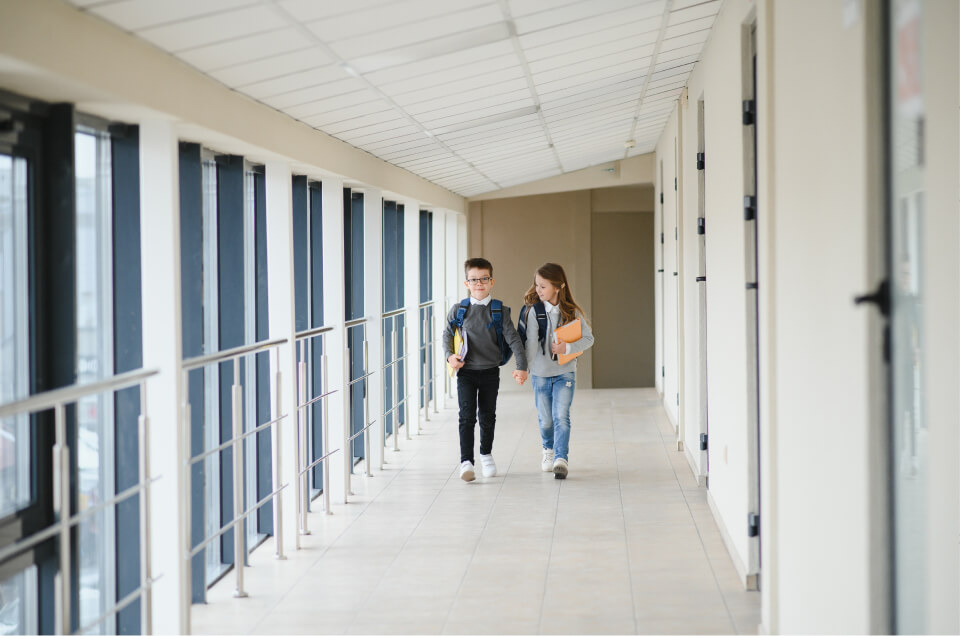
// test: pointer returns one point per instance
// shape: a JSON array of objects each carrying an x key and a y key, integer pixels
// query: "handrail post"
[
  {"x": 146, "y": 575},
  {"x": 426, "y": 370},
  {"x": 397, "y": 368},
  {"x": 348, "y": 401},
  {"x": 61, "y": 508},
  {"x": 383, "y": 404},
  {"x": 302, "y": 492},
  {"x": 324, "y": 427},
  {"x": 186, "y": 598},
  {"x": 366, "y": 406},
  {"x": 433, "y": 363},
  {"x": 275, "y": 438},
  {"x": 238, "y": 534},
  {"x": 406, "y": 402}
]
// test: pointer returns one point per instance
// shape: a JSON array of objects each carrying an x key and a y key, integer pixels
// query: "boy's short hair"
[{"x": 477, "y": 263}]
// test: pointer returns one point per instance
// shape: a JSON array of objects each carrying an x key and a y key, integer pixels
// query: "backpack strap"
[
  {"x": 542, "y": 325},
  {"x": 522, "y": 324},
  {"x": 461, "y": 312},
  {"x": 496, "y": 312}
]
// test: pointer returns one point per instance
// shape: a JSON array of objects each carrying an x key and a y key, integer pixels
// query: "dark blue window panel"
[
  {"x": 128, "y": 355},
  {"x": 300, "y": 252},
  {"x": 264, "y": 466},
  {"x": 426, "y": 256},
  {"x": 316, "y": 255},
  {"x": 314, "y": 346},
  {"x": 191, "y": 311},
  {"x": 230, "y": 297},
  {"x": 353, "y": 253},
  {"x": 357, "y": 390}
]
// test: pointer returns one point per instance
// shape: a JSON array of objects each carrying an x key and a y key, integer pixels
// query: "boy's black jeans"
[{"x": 477, "y": 392}]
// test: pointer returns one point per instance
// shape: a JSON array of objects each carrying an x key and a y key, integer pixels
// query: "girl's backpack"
[{"x": 496, "y": 311}]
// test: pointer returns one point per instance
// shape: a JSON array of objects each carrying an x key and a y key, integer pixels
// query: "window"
[
  {"x": 393, "y": 300},
  {"x": 356, "y": 335},
  {"x": 94, "y": 413},
  {"x": 426, "y": 313}
]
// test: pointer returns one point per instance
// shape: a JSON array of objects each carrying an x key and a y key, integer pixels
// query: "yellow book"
[
  {"x": 570, "y": 332},
  {"x": 460, "y": 347}
]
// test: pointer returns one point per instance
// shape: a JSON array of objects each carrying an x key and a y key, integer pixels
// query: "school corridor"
[
  {"x": 231, "y": 232},
  {"x": 625, "y": 545}
]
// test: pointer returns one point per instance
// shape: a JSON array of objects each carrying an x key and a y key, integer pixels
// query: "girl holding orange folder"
[{"x": 558, "y": 333}]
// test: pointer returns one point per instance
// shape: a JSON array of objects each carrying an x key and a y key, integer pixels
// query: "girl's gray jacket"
[{"x": 542, "y": 364}]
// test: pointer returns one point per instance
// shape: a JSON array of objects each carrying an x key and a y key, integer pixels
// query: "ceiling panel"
[
  {"x": 413, "y": 33},
  {"x": 576, "y": 13},
  {"x": 328, "y": 74},
  {"x": 635, "y": 33},
  {"x": 469, "y": 94},
  {"x": 275, "y": 65},
  {"x": 229, "y": 25},
  {"x": 240, "y": 50},
  {"x": 639, "y": 16},
  {"x": 133, "y": 15}
]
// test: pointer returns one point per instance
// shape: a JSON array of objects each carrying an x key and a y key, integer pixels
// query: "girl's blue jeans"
[{"x": 553, "y": 397}]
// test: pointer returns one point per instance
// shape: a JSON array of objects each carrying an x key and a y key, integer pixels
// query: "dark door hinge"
[
  {"x": 701, "y": 160},
  {"x": 880, "y": 298},
  {"x": 661, "y": 198},
  {"x": 753, "y": 525},
  {"x": 701, "y": 225},
  {"x": 701, "y": 279},
  {"x": 751, "y": 285},
  {"x": 661, "y": 238},
  {"x": 703, "y": 441},
  {"x": 676, "y": 235},
  {"x": 663, "y": 372},
  {"x": 678, "y": 399},
  {"x": 749, "y": 208},
  {"x": 674, "y": 183},
  {"x": 659, "y": 271},
  {"x": 749, "y": 112}
]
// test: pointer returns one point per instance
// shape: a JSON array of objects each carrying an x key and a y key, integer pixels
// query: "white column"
[
  {"x": 411, "y": 301},
  {"x": 333, "y": 316},
  {"x": 373, "y": 310},
  {"x": 283, "y": 325},
  {"x": 163, "y": 350}
]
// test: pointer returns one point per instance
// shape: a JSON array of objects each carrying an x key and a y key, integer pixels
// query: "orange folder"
[{"x": 570, "y": 332}]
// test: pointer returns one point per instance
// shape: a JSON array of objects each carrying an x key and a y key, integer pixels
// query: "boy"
[{"x": 478, "y": 374}]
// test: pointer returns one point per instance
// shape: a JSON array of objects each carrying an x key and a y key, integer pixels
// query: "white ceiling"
[{"x": 473, "y": 95}]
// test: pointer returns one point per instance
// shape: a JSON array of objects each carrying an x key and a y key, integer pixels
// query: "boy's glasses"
[{"x": 477, "y": 281}]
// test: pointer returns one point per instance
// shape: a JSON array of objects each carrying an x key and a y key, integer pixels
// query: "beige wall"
[{"x": 519, "y": 234}]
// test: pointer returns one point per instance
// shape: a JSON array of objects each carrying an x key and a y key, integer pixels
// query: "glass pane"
[
  {"x": 907, "y": 219},
  {"x": 18, "y": 603},
  {"x": 95, "y": 413},
  {"x": 14, "y": 354}
]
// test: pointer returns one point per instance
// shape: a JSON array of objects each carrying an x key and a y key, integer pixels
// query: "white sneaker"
[
  {"x": 560, "y": 468},
  {"x": 466, "y": 471},
  {"x": 487, "y": 466},
  {"x": 546, "y": 465}
]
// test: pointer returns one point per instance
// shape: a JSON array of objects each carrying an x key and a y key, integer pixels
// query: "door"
[{"x": 704, "y": 462}]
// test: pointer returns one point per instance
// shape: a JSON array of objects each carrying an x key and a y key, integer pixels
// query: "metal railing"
[
  {"x": 238, "y": 437},
  {"x": 398, "y": 400},
  {"x": 367, "y": 422},
  {"x": 57, "y": 400},
  {"x": 304, "y": 400},
  {"x": 428, "y": 372}
]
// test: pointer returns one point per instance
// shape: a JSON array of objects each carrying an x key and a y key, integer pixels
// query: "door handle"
[{"x": 880, "y": 298}]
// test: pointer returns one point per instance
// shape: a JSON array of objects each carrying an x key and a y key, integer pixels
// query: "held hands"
[
  {"x": 520, "y": 376},
  {"x": 560, "y": 348},
  {"x": 454, "y": 362}
]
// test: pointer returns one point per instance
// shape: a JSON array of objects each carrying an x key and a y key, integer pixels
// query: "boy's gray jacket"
[
  {"x": 542, "y": 364},
  {"x": 483, "y": 350}
]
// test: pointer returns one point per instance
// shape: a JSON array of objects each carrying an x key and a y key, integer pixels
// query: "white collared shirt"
[{"x": 484, "y": 302}]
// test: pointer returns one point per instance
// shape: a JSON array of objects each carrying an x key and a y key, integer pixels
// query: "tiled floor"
[{"x": 627, "y": 544}]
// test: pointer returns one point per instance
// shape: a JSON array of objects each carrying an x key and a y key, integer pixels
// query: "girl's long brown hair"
[{"x": 558, "y": 278}]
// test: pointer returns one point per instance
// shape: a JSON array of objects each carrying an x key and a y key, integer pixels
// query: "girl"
[{"x": 553, "y": 383}]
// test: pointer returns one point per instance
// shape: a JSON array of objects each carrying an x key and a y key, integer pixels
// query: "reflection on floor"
[{"x": 626, "y": 544}]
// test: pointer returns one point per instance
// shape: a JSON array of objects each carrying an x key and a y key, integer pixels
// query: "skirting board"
[
  {"x": 749, "y": 580},
  {"x": 701, "y": 479}
]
